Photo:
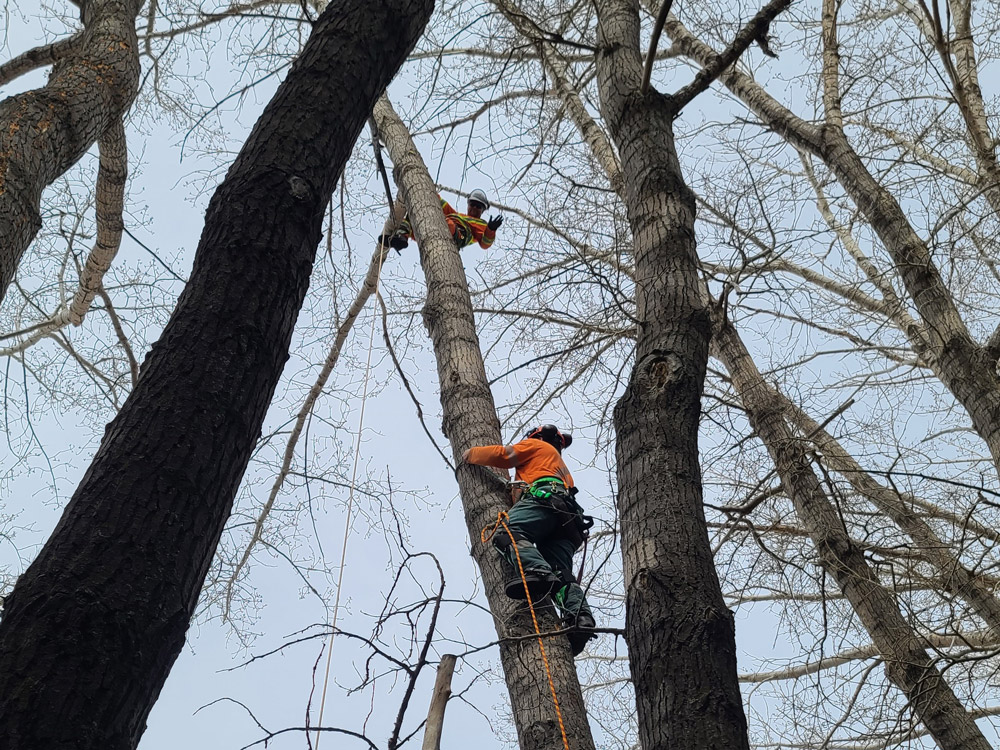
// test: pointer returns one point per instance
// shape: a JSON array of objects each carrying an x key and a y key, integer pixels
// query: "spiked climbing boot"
[{"x": 540, "y": 583}]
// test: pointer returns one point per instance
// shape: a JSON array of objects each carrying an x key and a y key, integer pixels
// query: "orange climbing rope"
[{"x": 501, "y": 516}]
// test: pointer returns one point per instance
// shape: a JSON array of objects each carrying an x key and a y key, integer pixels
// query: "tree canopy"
[{"x": 842, "y": 180}]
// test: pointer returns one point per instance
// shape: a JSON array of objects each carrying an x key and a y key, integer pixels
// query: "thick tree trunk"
[
  {"x": 45, "y": 131},
  {"x": 470, "y": 419},
  {"x": 680, "y": 634},
  {"x": 93, "y": 626},
  {"x": 907, "y": 662}
]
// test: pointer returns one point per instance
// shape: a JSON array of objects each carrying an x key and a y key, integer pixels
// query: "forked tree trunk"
[
  {"x": 45, "y": 131},
  {"x": 91, "y": 629},
  {"x": 907, "y": 663},
  {"x": 680, "y": 634},
  {"x": 470, "y": 419}
]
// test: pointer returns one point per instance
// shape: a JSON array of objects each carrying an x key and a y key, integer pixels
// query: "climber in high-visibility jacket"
[
  {"x": 465, "y": 228},
  {"x": 547, "y": 525}
]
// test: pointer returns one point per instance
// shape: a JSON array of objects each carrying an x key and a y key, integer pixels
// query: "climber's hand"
[{"x": 494, "y": 222}]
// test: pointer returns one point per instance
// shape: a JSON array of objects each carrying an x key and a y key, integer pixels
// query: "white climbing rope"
[{"x": 350, "y": 506}]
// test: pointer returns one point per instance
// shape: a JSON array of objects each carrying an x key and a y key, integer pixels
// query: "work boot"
[
  {"x": 540, "y": 584},
  {"x": 582, "y": 630}
]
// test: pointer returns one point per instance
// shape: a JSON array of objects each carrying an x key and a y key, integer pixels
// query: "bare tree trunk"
[
  {"x": 470, "y": 419},
  {"x": 439, "y": 702},
  {"x": 45, "y": 131},
  {"x": 680, "y": 634},
  {"x": 91, "y": 629},
  {"x": 647, "y": 601},
  {"x": 907, "y": 662}
]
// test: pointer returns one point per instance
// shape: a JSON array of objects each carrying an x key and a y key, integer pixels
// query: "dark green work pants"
[{"x": 537, "y": 521}]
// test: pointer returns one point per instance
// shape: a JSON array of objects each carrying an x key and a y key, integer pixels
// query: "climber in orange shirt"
[
  {"x": 465, "y": 228},
  {"x": 546, "y": 523}
]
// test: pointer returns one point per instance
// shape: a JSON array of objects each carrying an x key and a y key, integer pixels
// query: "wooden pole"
[{"x": 439, "y": 700}]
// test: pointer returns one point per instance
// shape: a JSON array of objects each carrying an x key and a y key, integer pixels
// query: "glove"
[
  {"x": 494, "y": 222},
  {"x": 396, "y": 241}
]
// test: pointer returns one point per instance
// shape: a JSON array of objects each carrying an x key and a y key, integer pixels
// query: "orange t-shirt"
[{"x": 532, "y": 459}]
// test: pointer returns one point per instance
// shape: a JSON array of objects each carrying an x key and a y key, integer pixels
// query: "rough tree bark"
[
  {"x": 91, "y": 629},
  {"x": 45, "y": 131},
  {"x": 681, "y": 635},
  {"x": 112, "y": 174},
  {"x": 470, "y": 419},
  {"x": 907, "y": 663}
]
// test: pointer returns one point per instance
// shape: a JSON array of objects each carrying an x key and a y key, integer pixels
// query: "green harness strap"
[{"x": 537, "y": 490}]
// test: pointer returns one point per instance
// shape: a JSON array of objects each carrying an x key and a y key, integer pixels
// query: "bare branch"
[
  {"x": 654, "y": 42},
  {"x": 116, "y": 323},
  {"x": 111, "y": 175},
  {"x": 831, "y": 65},
  {"x": 39, "y": 57},
  {"x": 366, "y": 290},
  {"x": 978, "y": 640},
  {"x": 755, "y": 30}
]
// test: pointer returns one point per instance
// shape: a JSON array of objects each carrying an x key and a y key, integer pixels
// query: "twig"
[{"x": 406, "y": 382}]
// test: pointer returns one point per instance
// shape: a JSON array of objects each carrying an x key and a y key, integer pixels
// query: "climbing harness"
[
  {"x": 502, "y": 519},
  {"x": 554, "y": 491},
  {"x": 517, "y": 488}
]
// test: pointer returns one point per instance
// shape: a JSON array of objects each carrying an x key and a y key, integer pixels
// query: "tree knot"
[
  {"x": 661, "y": 368},
  {"x": 301, "y": 190}
]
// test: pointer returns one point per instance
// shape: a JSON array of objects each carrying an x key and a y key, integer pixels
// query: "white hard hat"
[{"x": 478, "y": 196}]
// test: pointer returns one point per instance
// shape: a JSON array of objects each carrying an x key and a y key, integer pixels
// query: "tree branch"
[
  {"x": 755, "y": 30},
  {"x": 661, "y": 18},
  {"x": 367, "y": 289},
  {"x": 39, "y": 57},
  {"x": 116, "y": 323},
  {"x": 976, "y": 640},
  {"x": 111, "y": 176}
]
